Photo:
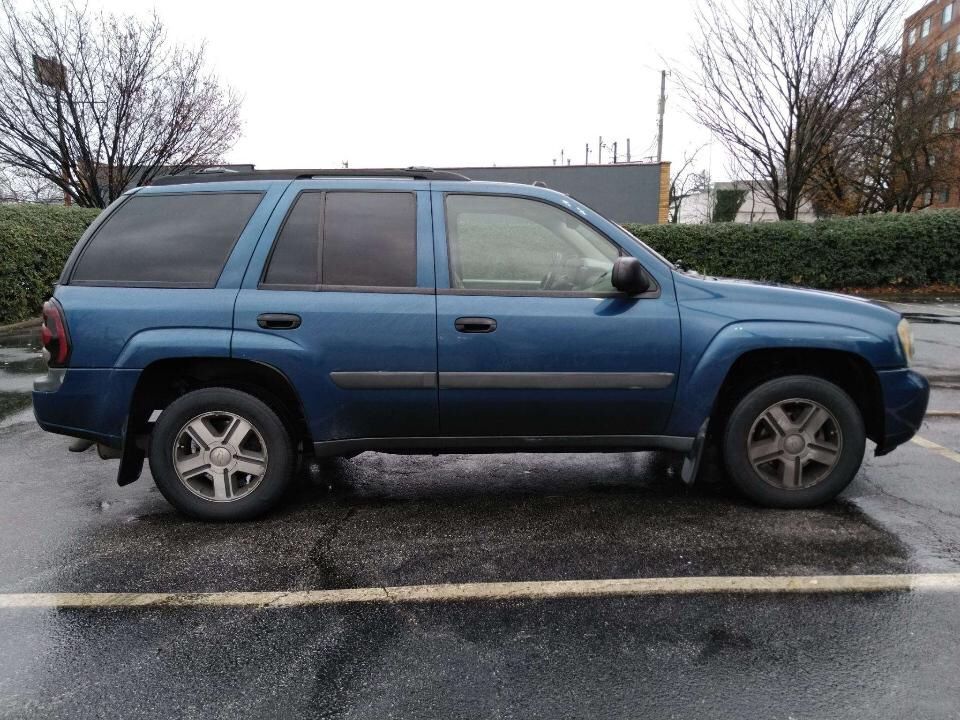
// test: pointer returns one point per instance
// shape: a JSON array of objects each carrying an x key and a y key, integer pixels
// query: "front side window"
[
  {"x": 943, "y": 50},
  {"x": 912, "y": 37},
  {"x": 520, "y": 245},
  {"x": 180, "y": 240},
  {"x": 952, "y": 120},
  {"x": 356, "y": 239},
  {"x": 925, "y": 28},
  {"x": 921, "y": 63},
  {"x": 947, "y": 14}
]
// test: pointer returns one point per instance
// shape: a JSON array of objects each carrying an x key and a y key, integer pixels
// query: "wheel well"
[
  {"x": 847, "y": 370},
  {"x": 164, "y": 381}
]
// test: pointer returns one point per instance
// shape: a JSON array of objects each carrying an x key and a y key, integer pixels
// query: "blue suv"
[{"x": 225, "y": 325}]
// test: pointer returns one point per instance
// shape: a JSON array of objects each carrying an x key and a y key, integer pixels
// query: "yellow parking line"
[
  {"x": 463, "y": 592},
  {"x": 938, "y": 449}
]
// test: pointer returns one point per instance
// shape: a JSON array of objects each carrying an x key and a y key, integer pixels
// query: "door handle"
[
  {"x": 475, "y": 325},
  {"x": 278, "y": 321}
]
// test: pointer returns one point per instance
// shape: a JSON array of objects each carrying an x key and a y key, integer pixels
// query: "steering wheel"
[{"x": 554, "y": 273}]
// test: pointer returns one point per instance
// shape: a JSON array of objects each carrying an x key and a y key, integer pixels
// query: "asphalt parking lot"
[{"x": 382, "y": 522}]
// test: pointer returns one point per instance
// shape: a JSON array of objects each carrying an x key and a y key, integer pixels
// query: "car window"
[
  {"x": 516, "y": 244},
  {"x": 173, "y": 240},
  {"x": 357, "y": 239},
  {"x": 370, "y": 239},
  {"x": 296, "y": 255}
]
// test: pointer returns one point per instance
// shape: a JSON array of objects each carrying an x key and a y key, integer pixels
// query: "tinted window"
[
  {"x": 296, "y": 255},
  {"x": 370, "y": 239},
  {"x": 506, "y": 243},
  {"x": 167, "y": 240}
]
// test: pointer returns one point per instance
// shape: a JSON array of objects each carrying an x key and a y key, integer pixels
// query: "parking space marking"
[
  {"x": 938, "y": 449},
  {"x": 542, "y": 590}
]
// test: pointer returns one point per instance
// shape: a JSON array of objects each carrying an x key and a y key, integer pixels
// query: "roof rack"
[{"x": 226, "y": 175}]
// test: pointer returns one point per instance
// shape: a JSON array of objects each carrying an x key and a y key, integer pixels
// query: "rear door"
[
  {"x": 340, "y": 296},
  {"x": 533, "y": 340}
]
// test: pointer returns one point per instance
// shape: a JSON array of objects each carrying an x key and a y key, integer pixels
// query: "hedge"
[
  {"x": 907, "y": 250},
  {"x": 35, "y": 241}
]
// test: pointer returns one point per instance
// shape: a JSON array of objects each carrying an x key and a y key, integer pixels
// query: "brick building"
[{"x": 931, "y": 47}]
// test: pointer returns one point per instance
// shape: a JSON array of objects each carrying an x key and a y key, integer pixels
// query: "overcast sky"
[{"x": 444, "y": 83}]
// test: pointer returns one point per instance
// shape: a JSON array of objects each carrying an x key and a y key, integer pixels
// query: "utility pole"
[
  {"x": 561, "y": 156},
  {"x": 661, "y": 106},
  {"x": 614, "y": 152},
  {"x": 600, "y": 151},
  {"x": 586, "y": 160},
  {"x": 628, "y": 149}
]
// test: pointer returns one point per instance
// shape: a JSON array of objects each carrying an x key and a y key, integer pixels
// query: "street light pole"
[{"x": 51, "y": 73}]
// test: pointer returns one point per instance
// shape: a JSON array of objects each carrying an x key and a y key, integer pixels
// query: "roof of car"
[{"x": 226, "y": 175}]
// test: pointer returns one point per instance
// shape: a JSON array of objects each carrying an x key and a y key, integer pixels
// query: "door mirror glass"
[{"x": 629, "y": 276}]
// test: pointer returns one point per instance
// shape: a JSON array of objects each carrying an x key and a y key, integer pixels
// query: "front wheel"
[
  {"x": 794, "y": 442},
  {"x": 221, "y": 454}
]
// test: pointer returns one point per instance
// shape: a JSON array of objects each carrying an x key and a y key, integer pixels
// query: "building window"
[
  {"x": 921, "y": 63},
  {"x": 947, "y": 14},
  {"x": 944, "y": 195},
  {"x": 931, "y": 160},
  {"x": 927, "y": 197},
  {"x": 925, "y": 28},
  {"x": 956, "y": 44},
  {"x": 955, "y": 82},
  {"x": 942, "y": 51},
  {"x": 936, "y": 124},
  {"x": 941, "y": 86},
  {"x": 912, "y": 36},
  {"x": 952, "y": 120}
]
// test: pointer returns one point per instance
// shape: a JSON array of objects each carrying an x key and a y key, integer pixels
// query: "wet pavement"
[{"x": 394, "y": 520}]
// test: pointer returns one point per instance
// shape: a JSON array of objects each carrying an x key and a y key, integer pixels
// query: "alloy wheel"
[
  {"x": 794, "y": 443},
  {"x": 220, "y": 456}
]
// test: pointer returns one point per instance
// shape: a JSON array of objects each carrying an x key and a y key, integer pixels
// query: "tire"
[
  {"x": 794, "y": 442},
  {"x": 203, "y": 466}
]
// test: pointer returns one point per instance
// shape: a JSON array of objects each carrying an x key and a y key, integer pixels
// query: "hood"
[{"x": 753, "y": 300}]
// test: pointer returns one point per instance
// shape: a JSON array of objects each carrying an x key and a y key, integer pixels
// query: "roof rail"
[{"x": 217, "y": 174}]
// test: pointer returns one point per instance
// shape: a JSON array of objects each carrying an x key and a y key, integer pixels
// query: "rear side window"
[
  {"x": 166, "y": 240},
  {"x": 356, "y": 239}
]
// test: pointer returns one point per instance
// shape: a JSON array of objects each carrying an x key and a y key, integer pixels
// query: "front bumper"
[{"x": 905, "y": 397}]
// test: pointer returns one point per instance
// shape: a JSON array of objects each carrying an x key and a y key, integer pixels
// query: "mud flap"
[
  {"x": 691, "y": 463},
  {"x": 131, "y": 462}
]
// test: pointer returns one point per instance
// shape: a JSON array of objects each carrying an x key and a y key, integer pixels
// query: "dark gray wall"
[{"x": 623, "y": 193}]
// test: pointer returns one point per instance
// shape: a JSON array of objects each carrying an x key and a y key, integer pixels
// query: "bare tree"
[
  {"x": 686, "y": 182},
  {"x": 903, "y": 144},
  {"x": 19, "y": 186},
  {"x": 774, "y": 81},
  {"x": 93, "y": 102}
]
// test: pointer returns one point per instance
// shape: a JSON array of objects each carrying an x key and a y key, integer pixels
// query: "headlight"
[{"x": 905, "y": 333}]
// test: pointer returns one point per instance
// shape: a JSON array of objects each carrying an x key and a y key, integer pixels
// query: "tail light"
[{"x": 53, "y": 334}]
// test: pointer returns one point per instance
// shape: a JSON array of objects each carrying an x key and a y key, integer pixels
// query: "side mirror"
[{"x": 629, "y": 277}]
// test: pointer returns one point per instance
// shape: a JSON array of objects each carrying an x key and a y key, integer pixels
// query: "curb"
[{"x": 20, "y": 325}]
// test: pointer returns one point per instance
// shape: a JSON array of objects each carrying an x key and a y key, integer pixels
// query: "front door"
[
  {"x": 342, "y": 302},
  {"x": 533, "y": 340}
]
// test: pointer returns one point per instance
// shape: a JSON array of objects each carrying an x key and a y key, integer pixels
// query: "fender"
[
  {"x": 175, "y": 342},
  {"x": 700, "y": 381}
]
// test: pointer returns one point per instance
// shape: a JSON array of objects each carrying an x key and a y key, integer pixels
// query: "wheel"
[
  {"x": 221, "y": 454},
  {"x": 794, "y": 442}
]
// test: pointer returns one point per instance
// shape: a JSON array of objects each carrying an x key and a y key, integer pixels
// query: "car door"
[
  {"x": 532, "y": 338},
  {"x": 339, "y": 296}
]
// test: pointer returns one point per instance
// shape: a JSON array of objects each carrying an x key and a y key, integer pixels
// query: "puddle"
[{"x": 20, "y": 363}]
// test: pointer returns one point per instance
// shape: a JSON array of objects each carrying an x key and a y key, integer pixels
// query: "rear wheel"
[
  {"x": 794, "y": 442},
  {"x": 221, "y": 454}
]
